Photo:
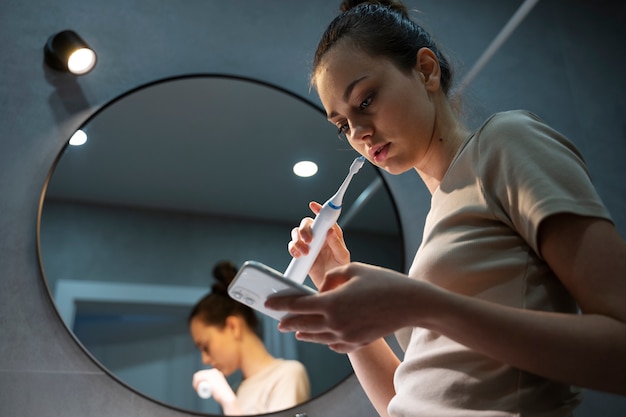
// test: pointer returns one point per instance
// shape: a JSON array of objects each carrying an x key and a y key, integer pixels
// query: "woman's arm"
[
  {"x": 587, "y": 350},
  {"x": 374, "y": 365}
]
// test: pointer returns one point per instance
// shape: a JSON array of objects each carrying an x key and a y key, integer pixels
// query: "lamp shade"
[{"x": 66, "y": 51}]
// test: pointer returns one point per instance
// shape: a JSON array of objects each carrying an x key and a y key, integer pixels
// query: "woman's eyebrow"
[{"x": 347, "y": 92}]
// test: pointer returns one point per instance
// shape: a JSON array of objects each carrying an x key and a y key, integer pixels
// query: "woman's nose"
[
  {"x": 206, "y": 359},
  {"x": 359, "y": 131}
]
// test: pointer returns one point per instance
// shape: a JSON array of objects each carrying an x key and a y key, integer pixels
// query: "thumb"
[
  {"x": 334, "y": 279},
  {"x": 315, "y": 207}
]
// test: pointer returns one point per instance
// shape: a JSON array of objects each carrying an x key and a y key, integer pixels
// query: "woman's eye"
[
  {"x": 342, "y": 130},
  {"x": 365, "y": 104}
]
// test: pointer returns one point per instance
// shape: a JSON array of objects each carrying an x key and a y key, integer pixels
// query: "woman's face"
[
  {"x": 218, "y": 346},
  {"x": 387, "y": 114}
]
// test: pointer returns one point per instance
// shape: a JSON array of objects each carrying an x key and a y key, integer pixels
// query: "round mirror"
[{"x": 174, "y": 177}]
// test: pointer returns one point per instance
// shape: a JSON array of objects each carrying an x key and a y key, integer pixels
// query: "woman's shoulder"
[
  {"x": 291, "y": 365},
  {"x": 510, "y": 121},
  {"x": 520, "y": 131},
  {"x": 285, "y": 369}
]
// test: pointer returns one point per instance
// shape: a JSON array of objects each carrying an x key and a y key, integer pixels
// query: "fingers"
[
  {"x": 317, "y": 330},
  {"x": 299, "y": 304},
  {"x": 324, "y": 338},
  {"x": 309, "y": 323},
  {"x": 300, "y": 238},
  {"x": 206, "y": 375},
  {"x": 334, "y": 342},
  {"x": 221, "y": 390},
  {"x": 302, "y": 235},
  {"x": 197, "y": 377}
]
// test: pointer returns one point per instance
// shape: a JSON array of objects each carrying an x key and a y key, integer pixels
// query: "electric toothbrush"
[
  {"x": 255, "y": 282},
  {"x": 298, "y": 268}
]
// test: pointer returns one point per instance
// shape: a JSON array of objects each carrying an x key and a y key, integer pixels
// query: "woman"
[
  {"x": 516, "y": 241},
  {"x": 224, "y": 330}
]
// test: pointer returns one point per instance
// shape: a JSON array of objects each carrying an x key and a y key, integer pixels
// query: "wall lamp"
[{"x": 68, "y": 52}]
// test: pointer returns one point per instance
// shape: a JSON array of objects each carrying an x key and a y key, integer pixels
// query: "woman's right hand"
[
  {"x": 220, "y": 389},
  {"x": 334, "y": 252}
]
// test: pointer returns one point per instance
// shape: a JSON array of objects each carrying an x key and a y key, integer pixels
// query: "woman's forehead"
[
  {"x": 342, "y": 68},
  {"x": 338, "y": 69}
]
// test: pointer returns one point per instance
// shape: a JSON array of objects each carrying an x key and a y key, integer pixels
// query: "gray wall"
[{"x": 565, "y": 62}]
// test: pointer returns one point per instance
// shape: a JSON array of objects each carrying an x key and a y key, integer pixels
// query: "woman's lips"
[{"x": 379, "y": 153}]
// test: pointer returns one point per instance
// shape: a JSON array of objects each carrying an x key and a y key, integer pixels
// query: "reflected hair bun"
[{"x": 224, "y": 272}]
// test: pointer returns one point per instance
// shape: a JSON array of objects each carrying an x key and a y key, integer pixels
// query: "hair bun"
[
  {"x": 392, "y": 4},
  {"x": 224, "y": 272}
]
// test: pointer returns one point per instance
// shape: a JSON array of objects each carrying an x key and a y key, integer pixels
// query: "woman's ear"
[
  {"x": 427, "y": 65},
  {"x": 234, "y": 325}
]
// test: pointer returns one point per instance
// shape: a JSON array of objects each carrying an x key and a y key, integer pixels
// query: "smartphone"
[{"x": 255, "y": 282}]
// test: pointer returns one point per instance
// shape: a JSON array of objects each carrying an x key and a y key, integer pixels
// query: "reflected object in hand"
[{"x": 204, "y": 390}]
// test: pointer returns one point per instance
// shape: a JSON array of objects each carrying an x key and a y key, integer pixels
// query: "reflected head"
[{"x": 215, "y": 307}]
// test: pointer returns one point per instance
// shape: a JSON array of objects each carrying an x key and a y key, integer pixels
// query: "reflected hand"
[
  {"x": 357, "y": 304},
  {"x": 220, "y": 389},
  {"x": 334, "y": 252}
]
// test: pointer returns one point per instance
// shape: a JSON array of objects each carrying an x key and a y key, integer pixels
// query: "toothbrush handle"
[
  {"x": 204, "y": 389},
  {"x": 299, "y": 268}
]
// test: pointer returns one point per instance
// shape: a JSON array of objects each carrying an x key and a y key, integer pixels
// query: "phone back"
[{"x": 255, "y": 282}]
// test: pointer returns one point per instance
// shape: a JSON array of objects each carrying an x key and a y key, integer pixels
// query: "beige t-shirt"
[
  {"x": 480, "y": 239},
  {"x": 283, "y": 384}
]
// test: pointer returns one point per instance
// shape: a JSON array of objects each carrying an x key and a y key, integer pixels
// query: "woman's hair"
[
  {"x": 216, "y": 306},
  {"x": 381, "y": 28}
]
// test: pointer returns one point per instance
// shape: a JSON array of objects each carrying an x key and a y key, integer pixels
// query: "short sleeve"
[{"x": 530, "y": 171}]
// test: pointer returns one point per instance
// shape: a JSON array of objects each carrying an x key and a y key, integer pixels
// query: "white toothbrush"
[{"x": 298, "y": 268}]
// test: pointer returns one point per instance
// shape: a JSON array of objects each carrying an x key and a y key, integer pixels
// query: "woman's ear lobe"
[{"x": 428, "y": 65}]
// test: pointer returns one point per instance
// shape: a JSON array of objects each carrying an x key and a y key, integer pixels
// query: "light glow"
[
  {"x": 81, "y": 61},
  {"x": 305, "y": 169},
  {"x": 78, "y": 138}
]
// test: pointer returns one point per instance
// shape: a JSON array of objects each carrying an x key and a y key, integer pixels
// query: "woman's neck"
[
  {"x": 448, "y": 137},
  {"x": 255, "y": 357}
]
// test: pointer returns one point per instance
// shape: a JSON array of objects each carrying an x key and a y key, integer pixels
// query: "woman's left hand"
[{"x": 356, "y": 305}]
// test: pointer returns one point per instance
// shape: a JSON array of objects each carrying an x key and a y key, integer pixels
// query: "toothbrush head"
[
  {"x": 336, "y": 200},
  {"x": 357, "y": 164}
]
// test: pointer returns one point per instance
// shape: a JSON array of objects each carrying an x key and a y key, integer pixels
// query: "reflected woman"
[{"x": 224, "y": 331}]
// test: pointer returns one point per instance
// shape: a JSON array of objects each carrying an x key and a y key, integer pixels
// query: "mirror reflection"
[{"x": 174, "y": 177}]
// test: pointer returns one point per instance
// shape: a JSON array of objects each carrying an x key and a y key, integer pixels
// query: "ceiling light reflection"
[
  {"x": 78, "y": 138},
  {"x": 305, "y": 169}
]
